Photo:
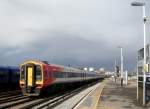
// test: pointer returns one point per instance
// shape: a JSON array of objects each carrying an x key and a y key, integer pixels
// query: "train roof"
[
  {"x": 68, "y": 69},
  {"x": 34, "y": 61},
  {"x": 65, "y": 68}
]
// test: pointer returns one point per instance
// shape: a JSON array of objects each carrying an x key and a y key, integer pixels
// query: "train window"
[
  {"x": 70, "y": 74},
  {"x": 73, "y": 74},
  {"x": 38, "y": 73},
  {"x": 22, "y": 74},
  {"x": 59, "y": 74}
]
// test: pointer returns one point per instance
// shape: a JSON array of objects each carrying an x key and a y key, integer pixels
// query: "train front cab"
[{"x": 31, "y": 79}]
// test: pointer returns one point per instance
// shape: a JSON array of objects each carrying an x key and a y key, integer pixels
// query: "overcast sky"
[{"x": 75, "y": 32}]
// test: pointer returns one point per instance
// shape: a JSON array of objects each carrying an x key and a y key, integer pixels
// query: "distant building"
[
  {"x": 101, "y": 70},
  {"x": 140, "y": 62},
  {"x": 86, "y": 69},
  {"x": 91, "y": 69}
]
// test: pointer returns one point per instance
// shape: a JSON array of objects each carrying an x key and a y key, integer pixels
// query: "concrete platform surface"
[
  {"x": 74, "y": 102},
  {"x": 91, "y": 101},
  {"x": 114, "y": 96}
]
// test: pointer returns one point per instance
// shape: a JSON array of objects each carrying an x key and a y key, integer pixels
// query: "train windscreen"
[{"x": 38, "y": 73}]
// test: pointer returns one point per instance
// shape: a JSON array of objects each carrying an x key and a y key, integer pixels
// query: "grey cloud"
[
  {"x": 66, "y": 49},
  {"x": 78, "y": 32}
]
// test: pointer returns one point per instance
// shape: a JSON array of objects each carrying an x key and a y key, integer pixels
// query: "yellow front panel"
[{"x": 30, "y": 81}]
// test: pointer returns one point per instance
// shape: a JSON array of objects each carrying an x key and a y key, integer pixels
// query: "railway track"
[
  {"x": 51, "y": 103},
  {"x": 35, "y": 103},
  {"x": 7, "y": 88},
  {"x": 11, "y": 98},
  {"x": 15, "y": 102},
  {"x": 9, "y": 94},
  {"x": 14, "y": 92},
  {"x": 24, "y": 102}
]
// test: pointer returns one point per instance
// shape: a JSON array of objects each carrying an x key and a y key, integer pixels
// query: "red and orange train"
[{"x": 38, "y": 75}]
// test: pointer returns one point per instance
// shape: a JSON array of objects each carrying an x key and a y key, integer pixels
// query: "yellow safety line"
[{"x": 95, "y": 106}]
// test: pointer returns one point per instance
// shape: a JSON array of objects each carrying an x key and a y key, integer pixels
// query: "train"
[
  {"x": 9, "y": 76},
  {"x": 36, "y": 76}
]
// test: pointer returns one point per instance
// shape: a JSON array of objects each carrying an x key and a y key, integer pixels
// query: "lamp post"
[
  {"x": 121, "y": 65},
  {"x": 144, "y": 60},
  {"x": 115, "y": 72}
]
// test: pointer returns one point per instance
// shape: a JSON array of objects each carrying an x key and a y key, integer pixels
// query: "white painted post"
[
  {"x": 137, "y": 97},
  {"x": 126, "y": 77}
]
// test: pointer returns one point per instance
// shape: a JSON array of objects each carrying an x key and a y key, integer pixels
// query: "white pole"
[
  {"x": 115, "y": 66},
  {"x": 144, "y": 63},
  {"x": 121, "y": 67},
  {"x": 126, "y": 77},
  {"x": 137, "y": 96},
  {"x": 144, "y": 60},
  {"x": 115, "y": 72}
]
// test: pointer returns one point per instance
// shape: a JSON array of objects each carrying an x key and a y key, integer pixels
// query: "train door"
[{"x": 30, "y": 76}]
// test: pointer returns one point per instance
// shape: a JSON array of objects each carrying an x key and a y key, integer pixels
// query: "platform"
[
  {"x": 87, "y": 98},
  {"x": 115, "y": 96},
  {"x": 91, "y": 100},
  {"x": 108, "y": 94}
]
